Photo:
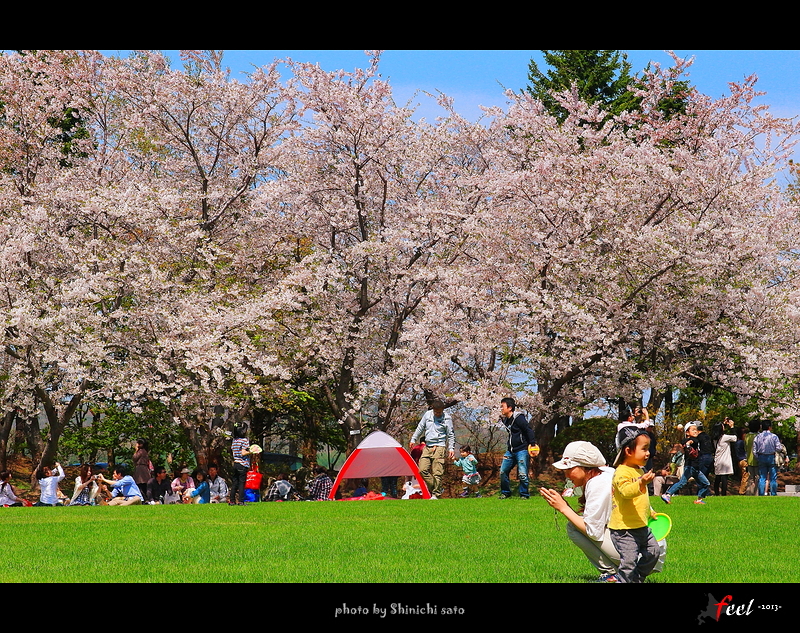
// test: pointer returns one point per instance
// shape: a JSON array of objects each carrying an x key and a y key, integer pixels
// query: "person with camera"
[
  {"x": 241, "y": 464},
  {"x": 85, "y": 487}
]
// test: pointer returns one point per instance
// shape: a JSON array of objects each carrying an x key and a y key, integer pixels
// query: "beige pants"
[
  {"x": 122, "y": 501},
  {"x": 431, "y": 467}
]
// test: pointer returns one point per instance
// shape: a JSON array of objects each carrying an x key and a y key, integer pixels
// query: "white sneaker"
[{"x": 434, "y": 497}]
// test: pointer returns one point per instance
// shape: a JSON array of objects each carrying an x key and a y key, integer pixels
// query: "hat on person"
[
  {"x": 625, "y": 437},
  {"x": 583, "y": 454},
  {"x": 185, "y": 471}
]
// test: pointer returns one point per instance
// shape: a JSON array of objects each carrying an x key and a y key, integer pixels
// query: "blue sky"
[{"x": 478, "y": 77}]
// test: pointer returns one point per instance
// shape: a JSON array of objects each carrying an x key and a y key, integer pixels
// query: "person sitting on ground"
[
  {"x": 158, "y": 487},
  {"x": 85, "y": 488},
  {"x": 202, "y": 493},
  {"x": 280, "y": 490},
  {"x": 48, "y": 483},
  {"x": 676, "y": 460},
  {"x": 361, "y": 490},
  {"x": 219, "y": 487},
  {"x": 125, "y": 491},
  {"x": 321, "y": 487},
  {"x": 662, "y": 481},
  {"x": 182, "y": 482},
  {"x": 103, "y": 495},
  {"x": 412, "y": 489},
  {"x": 8, "y": 496}
]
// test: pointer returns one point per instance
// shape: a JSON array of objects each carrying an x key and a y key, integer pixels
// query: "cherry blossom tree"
[
  {"x": 202, "y": 145},
  {"x": 628, "y": 255},
  {"x": 128, "y": 273},
  {"x": 377, "y": 209},
  {"x": 58, "y": 271},
  {"x": 212, "y": 243}
]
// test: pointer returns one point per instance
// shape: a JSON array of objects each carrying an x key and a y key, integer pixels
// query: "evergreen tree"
[{"x": 600, "y": 77}]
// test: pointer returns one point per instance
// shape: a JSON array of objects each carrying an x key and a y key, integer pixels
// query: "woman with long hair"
[
  {"x": 85, "y": 487},
  {"x": 202, "y": 493},
  {"x": 8, "y": 496},
  {"x": 141, "y": 464}
]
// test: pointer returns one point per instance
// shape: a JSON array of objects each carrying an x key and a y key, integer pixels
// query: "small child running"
[
  {"x": 469, "y": 465},
  {"x": 630, "y": 507}
]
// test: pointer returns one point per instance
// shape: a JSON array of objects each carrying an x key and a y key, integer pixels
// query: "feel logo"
[{"x": 718, "y": 608}]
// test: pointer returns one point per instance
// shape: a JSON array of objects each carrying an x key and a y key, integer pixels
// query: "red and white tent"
[{"x": 379, "y": 455}]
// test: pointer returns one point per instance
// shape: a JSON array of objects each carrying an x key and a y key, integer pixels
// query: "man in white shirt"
[{"x": 48, "y": 483}]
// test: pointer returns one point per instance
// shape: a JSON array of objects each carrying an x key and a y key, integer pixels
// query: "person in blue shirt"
[
  {"x": 202, "y": 493},
  {"x": 125, "y": 491}
]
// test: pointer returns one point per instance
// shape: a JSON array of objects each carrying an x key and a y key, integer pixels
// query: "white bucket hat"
[{"x": 583, "y": 454}]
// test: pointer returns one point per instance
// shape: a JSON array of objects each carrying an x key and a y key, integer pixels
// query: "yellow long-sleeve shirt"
[{"x": 630, "y": 503}]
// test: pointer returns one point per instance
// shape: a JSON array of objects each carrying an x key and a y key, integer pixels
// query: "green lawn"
[{"x": 448, "y": 540}]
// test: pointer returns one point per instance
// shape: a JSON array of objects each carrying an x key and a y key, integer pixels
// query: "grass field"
[{"x": 450, "y": 541}]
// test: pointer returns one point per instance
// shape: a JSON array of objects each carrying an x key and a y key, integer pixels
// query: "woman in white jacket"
[
  {"x": 723, "y": 460},
  {"x": 85, "y": 488}
]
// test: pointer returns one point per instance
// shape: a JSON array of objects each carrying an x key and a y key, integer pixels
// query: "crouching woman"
[{"x": 584, "y": 465}]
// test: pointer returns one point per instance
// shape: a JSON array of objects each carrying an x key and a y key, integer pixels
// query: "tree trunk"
[
  {"x": 57, "y": 421},
  {"x": 33, "y": 436},
  {"x": 544, "y": 432},
  {"x": 5, "y": 432},
  {"x": 308, "y": 444},
  {"x": 668, "y": 403},
  {"x": 203, "y": 432}
]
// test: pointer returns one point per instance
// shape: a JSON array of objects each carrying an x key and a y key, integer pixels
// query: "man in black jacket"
[
  {"x": 520, "y": 437},
  {"x": 158, "y": 486}
]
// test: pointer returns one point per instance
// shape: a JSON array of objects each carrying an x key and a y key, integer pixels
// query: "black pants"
[
  {"x": 237, "y": 483},
  {"x": 721, "y": 481}
]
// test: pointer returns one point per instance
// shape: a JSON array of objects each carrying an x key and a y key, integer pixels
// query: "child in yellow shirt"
[{"x": 630, "y": 507}]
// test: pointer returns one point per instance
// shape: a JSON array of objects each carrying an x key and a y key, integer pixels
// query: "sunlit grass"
[{"x": 449, "y": 540}]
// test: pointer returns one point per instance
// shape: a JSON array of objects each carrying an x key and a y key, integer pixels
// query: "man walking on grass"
[
  {"x": 764, "y": 447},
  {"x": 436, "y": 429},
  {"x": 520, "y": 437}
]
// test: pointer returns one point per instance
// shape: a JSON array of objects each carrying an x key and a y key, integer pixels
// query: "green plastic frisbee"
[{"x": 660, "y": 526}]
